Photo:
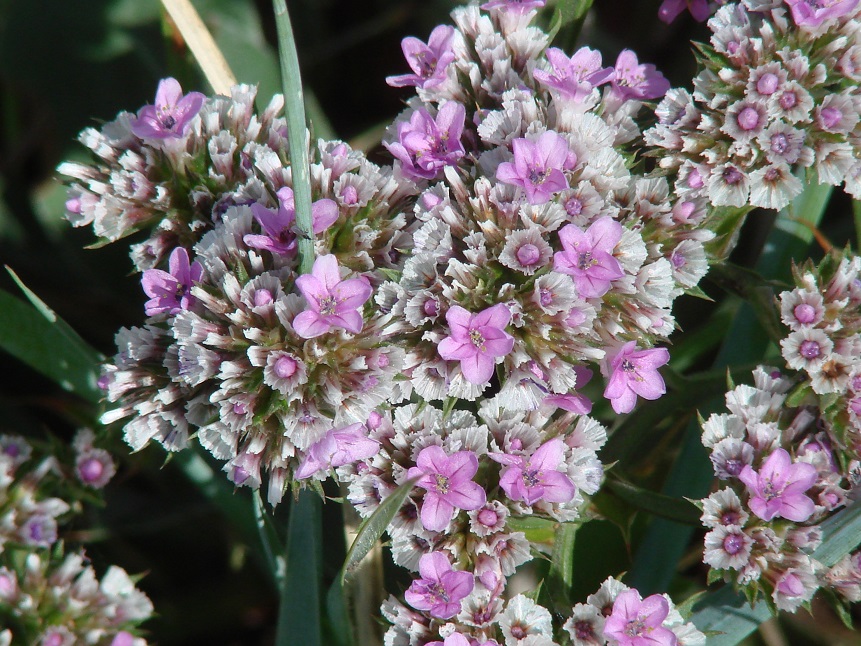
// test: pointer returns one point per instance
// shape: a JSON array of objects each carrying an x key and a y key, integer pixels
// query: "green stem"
[{"x": 294, "y": 109}]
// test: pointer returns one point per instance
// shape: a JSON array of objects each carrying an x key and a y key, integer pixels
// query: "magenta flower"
[
  {"x": 587, "y": 256},
  {"x": 170, "y": 292},
  {"x": 814, "y": 12},
  {"x": 513, "y": 6},
  {"x": 428, "y": 61},
  {"x": 670, "y": 9},
  {"x": 536, "y": 478},
  {"x": 639, "y": 622},
  {"x": 336, "y": 448},
  {"x": 171, "y": 114},
  {"x": 635, "y": 372},
  {"x": 575, "y": 77},
  {"x": 778, "y": 489},
  {"x": 280, "y": 236},
  {"x": 426, "y": 145},
  {"x": 441, "y": 589},
  {"x": 454, "y": 639},
  {"x": 537, "y": 166},
  {"x": 332, "y": 302},
  {"x": 476, "y": 340},
  {"x": 449, "y": 485},
  {"x": 635, "y": 81}
]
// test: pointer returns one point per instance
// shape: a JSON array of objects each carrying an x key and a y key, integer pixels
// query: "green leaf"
[
  {"x": 560, "y": 578},
  {"x": 677, "y": 509},
  {"x": 273, "y": 548},
  {"x": 41, "y": 339},
  {"x": 726, "y": 222},
  {"x": 536, "y": 530}
]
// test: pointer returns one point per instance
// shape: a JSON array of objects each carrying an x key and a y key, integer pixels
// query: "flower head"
[
  {"x": 332, "y": 302},
  {"x": 638, "y": 622},
  {"x": 441, "y": 589},
  {"x": 449, "y": 485},
  {"x": 170, "y": 116},
  {"x": 537, "y": 166},
  {"x": 476, "y": 340},
  {"x": 635, "y": 372},
  {"x": 428, "y": 61},
  {"x": 170, "y": 292},
  {"x": 536, "y": 478},
  {"x": 778, "y": 489}
]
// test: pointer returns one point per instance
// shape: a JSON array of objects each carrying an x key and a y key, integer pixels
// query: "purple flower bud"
[
  {"x": 804, "y": 313},
  {"x": 748, "y": 119},
  {"x": 285, "y": 367},
  {"x": 810, "y": 349},
  {"x": 767, "y": 84}
]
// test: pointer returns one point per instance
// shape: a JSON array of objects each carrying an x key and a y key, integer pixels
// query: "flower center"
[
  {"x": 328, "y": 305},
  {"x": 537, "y": 176},
  {"x": 635, "y": 627},
  {"x": 810, "y": 349},
  {"x": 442, "y": 483},
  {"x": 438, "y": 592},
  {"x": 585, "y": 260},
  {"x": 733, "y": 544},
  {"x": 528, "y": 255},
  {"x": 779, "y": 143},
  {"x": 584, "y": 630},
  {"x": 532, "y": 477},
  {"x": 477, "y": 339}
]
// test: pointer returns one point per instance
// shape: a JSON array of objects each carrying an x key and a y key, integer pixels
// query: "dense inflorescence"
[{"x": 776, "y": 101}]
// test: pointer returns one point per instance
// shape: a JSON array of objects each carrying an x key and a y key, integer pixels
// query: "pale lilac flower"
[
  {"x": 536, "y": 478},
  {"x": 338, "y": 447},
  {"x": 577, "y": 76},
  {"x": 332, "y": 302},
  {"x": 280, "y": 236},
  {"x": 426, "y": 145},
  {"x": 537, "y": 166},
  {"x": 587, "y": 256},
  {"x": 449, "y": 485},
  {"x": 476, "y": 340},
  {"x": 635, "y": 81},
  {"x": 638, "y": 622},
  {"x": 778, "y": 489},
  {"x": 513, "y": 6},
  {"x": 670, "y": 9},
  {"x": 170, "y": 292},
  {"x": 94, "y": 467},
  {"x": 635, "y": 372},
  {"x": 428, "y": 61},
  {"x": 170, "y": 116},
  {"x": 441, "y": 589},
  {"x": 813, "y": 13}
]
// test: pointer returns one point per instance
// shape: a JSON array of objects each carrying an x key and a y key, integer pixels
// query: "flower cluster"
[
  {"x": 539, "y": 251},
  {"x": 777, "y": 95},
  {"x": 615, "y": 615}
]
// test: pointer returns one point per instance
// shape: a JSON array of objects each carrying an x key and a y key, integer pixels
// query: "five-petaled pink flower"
[
  {"x": 635, "y": 372},
  {"x": 280, "y": 237},
  {"x": 171, "y": 114},
  {"x": 587, "y": 256},
  {"x": 577, "y": 76},
  {"x": 428, "y": 61},
  {"x": 332, "y": 302},
  {"x": 448, "y": 480},
  {"x": 426, "y": 145},
  {"x": 441, "y": 589},
  {"x": 170, "y": 292},
  {"x": 778, "y": 489},
  {"x": 639, "y": 622},
  {"x": 635, "y": 81},
  {"x": 814, "y": 12},
  {"x": 336, "y": 448},
  {"x": 476, "y": 340},
  {"x": 538, "y": 165},
  {"x": 670, "y": 9},
  {"x": 536, "y": 478}
]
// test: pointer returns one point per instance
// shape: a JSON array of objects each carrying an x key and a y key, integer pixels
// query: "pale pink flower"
[
  {"x": 639, "y": 622},
  {"x": 513, "y": 6},
  {"x": 635, "y": 81},
  {"x": 670, "y": 9},
  {"x": 587, "y": 256},
  {"x": 279, "y": 234},
  {"x": 170, "y": 116},
  {"x": 426, "y": 145},
  {"x": 814, "y": 12},
  {"x": 170, "y": 292},
  {"x": 428, "y": 61},
  {"x": 536, "y": 478},
  {"x": 338, "y": 447},
  {"x": 577, "y": 76},
  {"x": 778, "y": 489},
  {"x": 635, "y": 372},
  {"x": 537, "y": 166},
  {"x": 332, "y": 302},
  {"x": 441, "y": 589},
  {"x": 476, "y": 340}
]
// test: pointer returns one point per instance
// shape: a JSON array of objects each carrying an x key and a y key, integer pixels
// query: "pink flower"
[
  {"x": 778, "y": 489},
  {"x": 441, "y": 589},
  {"x": 171, "y": 114},
  {"x": 670, "y": 9},
  {"x": 513, "y": 6},
  {"x": 536, "y": 478},
  {"x": 428, "y": 62},
  {"x": 336, "y": 448},
  {"x": 635, "y": 372},
  {"x": 449, "y": 485},
  {"x": 280, "y": 238},
  {"x": 814, "y": 12},
  {"x": 587, "y": 256},
  {"x": 476, "y": 340},
  {"x": 537, "y": 166},
  {"x": 635, "y": 81},
  {"x": 638, "y": 622},
  {"x": 577, "y": 76},
  {"x": 426, "y": 145},
  {"x": 170, "y": 292},
  {"x": 332, "y": 302}
]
